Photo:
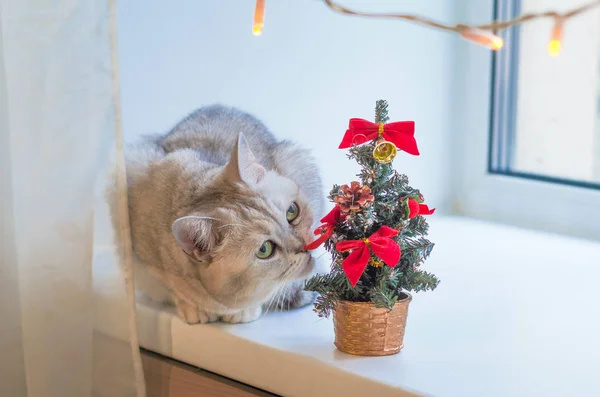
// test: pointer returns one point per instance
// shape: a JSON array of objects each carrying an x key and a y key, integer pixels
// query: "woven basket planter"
[{"x": 364, "y": 330}]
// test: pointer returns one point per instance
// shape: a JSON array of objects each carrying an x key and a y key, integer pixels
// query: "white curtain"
[{"x": 59, "y": 126}]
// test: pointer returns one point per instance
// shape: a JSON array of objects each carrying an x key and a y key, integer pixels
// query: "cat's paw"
[
  {"x": 307, "y": 298},
  {"x": 295, "y": 298},
  {"x": 193, "y": 315},
  {"x": 301, "y": 298},
  {"x": 243, "y": 316}
]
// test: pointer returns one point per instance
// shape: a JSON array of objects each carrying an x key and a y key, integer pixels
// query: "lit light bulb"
[
  {"x": 554, "y": 45},
  {"x": 259, "y": 18},
  {"x": 483, "y": 37}
]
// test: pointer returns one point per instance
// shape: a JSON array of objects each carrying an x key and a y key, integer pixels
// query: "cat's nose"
[
  {"x": 300, "y": 246},
  {"x": 301, "y": 249}
]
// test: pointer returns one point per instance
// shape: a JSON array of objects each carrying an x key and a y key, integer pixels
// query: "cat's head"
[{"x": 247, "y": 237}]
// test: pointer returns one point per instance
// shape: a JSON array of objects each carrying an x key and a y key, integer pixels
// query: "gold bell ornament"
[{"x": 384, "y": 151}]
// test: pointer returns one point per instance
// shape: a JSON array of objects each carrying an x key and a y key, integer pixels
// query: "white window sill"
[{"x": 517, "y": 313}]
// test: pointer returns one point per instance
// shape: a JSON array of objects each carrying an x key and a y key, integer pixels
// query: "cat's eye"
[
  {"x": 292, "y": 212},
  {"x": 266, "y": 250}
]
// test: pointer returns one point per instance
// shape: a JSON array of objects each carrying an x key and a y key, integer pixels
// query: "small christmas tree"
[{"x": 376, "y": 231}]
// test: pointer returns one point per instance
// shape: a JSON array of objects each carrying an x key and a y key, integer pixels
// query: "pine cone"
[{"x": 353, "y": 197}]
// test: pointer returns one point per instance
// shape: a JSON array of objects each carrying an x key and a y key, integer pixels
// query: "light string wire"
[
  {"x": 459, "y": 28},
  {"x": 483, "y": 34}
]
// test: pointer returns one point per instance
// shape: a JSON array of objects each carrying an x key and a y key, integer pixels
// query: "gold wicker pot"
[{"x": 364, "y": 330}]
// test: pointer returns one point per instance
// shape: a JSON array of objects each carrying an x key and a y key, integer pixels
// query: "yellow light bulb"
[
  {"x": 259, "y": 18},
  {"x": 555, "y": 46},
  {"x": 484, "y": 38},
  {"x": 497, "y": 43}
]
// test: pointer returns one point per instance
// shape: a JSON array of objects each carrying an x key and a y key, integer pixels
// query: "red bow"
[
  {"x": 400, "y": 133},
  {"x": 415, "y": 208},
  {"x": 326, "y": 229},
  {"x": 381, "y": 244}
]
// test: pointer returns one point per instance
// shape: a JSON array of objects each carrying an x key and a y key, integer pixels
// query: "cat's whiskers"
[
  {"x": 320, "y": 256},
  {"x": 282, "y": 298},
  {"x": 273, "y": 299},
  {"x": 280, "y": 295},
  {"x": 290, "y": 270},
  {"x": 230, "y": 224},
  {"x": 276, "y": 301},
  {"x": 286, "y": 272}
]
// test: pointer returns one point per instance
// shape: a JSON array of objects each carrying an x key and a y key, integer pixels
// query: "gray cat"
[{"x": 220, "y": 212}]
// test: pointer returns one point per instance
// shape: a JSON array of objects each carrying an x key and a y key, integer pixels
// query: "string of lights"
[{"x": 482, "y": 34}]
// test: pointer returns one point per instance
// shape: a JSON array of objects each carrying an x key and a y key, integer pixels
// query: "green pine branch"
[
  {"x": 421, "y": 281},
  {"x": 420, "y": 245},
  {"x": 381, "y": 111}
]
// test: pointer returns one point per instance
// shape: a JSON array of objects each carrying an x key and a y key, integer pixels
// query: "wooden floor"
[{"x": 169, "y": 378}]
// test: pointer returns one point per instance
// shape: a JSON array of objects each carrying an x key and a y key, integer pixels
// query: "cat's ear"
[
  {"x": 243, "y": 165},
  {"x": 196, "y": 236}
]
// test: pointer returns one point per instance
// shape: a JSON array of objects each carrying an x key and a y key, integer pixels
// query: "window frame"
[{"x": 506, "y": 197}]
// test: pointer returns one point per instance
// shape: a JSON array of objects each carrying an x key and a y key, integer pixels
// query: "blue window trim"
[
  {"x": 503, "y": 109},
  {"x": 503, "y": 106}
]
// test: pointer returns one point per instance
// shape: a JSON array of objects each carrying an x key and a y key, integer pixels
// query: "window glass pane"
[{"x": 545, "y": 109}]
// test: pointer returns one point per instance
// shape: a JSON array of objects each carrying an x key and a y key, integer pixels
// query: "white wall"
[{"x": 308, "y": 73}]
